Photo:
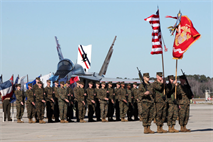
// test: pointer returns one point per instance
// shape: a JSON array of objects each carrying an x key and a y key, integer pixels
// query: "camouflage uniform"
[
  {"x": 147, "y": 103},
  {"x": 91, "y": 106},
  {"x": 160, "y": 103},
  {"x": 30, "y": 106},
  {"x": 173, "y": 109},
  {"x": 122, "y": 105},
  {"x": 97, "y": 109},
  {"x": 35, "y": 87},
  {"x": 130, "y": 108},
  {"x": 20, "y": 108},
  {"x": 6, "y": 109},
  {"x": 56, "y": 105},
  {"x": 184, "y": 103},
  {"x": 50, "y": 105},
  {"x": 102, "y": 94},
  {"x": 70, "y": 106},
  {"x": 135, "y": 104},
  {"x": 81, "y": 107},
  {"x": 40, "y": 106},
  {"x": 62, "y": 104},
  {"x": 117, "y": 96},
  {"x": 110, "y": 105},
  {"x": 75, "y": 92}
]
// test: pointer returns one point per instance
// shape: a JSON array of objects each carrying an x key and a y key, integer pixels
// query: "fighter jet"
[{"x": 66, "y": 68}]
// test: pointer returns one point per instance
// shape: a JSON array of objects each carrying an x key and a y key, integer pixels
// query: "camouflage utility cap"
[
  {"x": 171, "y": 77},
  {"x": 110, "y": 82},
  {"x": 146, "y": 74},
  {"x": 103, "y": 82},
  {"x": 181, "y": 77},
  {"x": 62, "y": 82},
  {"x": 91, "y": 82},
  {"x": 97, "y": 83},
  {"x": 135, "y": 83},
  {"x": 30, "y": 84},
  {"x": 160, "y": 74}
]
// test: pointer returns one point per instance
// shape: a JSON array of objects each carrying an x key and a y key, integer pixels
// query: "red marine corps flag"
[{"x": 185, "y": 36}]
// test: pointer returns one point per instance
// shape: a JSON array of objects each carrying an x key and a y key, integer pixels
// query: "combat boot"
[
  {"x": 149, "y": 130},
  {"x": 21, "y": 121},
  {"x": 61, "y": 121},
  {"x": 30, "y": 121},
  {"x": 159, "y": 130},
  {"x": 18, "y": 121},
  {"x": 43, "y": 121},
  {"x": 141, "y": 119},
  {"x": 164, "y": 131},
  {"x": 105, "y": 120},
  {"x": 33, "y": 121},
  {"x": 176, "y": 131},
  {"x": 170, "y": 130},
  {"x": 65, "y": 121},
  {"x": 182, "y": 129},
  {"x": 122, "y": 119},
  {"x": 125, "y": 120},
  {"x": 81, "y": 121},
  {"x": 40, "y": 122},
  {"x": 186, "y": 130},
  {"x": 145, "y": 130}
]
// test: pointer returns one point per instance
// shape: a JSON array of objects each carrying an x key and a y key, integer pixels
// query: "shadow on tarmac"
[{"x": 208, "y": 129}]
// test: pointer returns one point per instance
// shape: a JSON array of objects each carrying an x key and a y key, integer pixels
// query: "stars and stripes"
[{"x": 154, "y": 20}]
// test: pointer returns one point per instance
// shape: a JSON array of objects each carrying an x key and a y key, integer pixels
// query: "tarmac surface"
[{"x": 200, "y": 123}]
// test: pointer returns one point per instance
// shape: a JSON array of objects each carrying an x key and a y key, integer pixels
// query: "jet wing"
[{"x": 115, "y": 80}]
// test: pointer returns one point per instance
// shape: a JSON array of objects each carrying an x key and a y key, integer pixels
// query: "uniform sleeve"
[
  {"x": 130, "y": 96},
  {"x": 100, "y": 95},
  {"x": 141, "y": 92},
  {"x": 157, "y": 86}
]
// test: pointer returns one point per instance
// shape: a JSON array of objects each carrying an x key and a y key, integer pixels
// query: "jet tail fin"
[
  {"x": 107, "y": 59},
  {"x": 59, "y": 49},
  {"x": 84, "y": 56}
]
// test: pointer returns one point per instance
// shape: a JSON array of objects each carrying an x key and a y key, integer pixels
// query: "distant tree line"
[{"x": 198, "y": 83}]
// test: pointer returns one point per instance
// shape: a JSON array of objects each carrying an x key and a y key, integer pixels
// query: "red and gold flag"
[{"x": 185, "y": 36}]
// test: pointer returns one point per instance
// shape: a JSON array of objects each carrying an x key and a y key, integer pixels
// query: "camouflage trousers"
[
  {"x": 20, "y": 111},
  {"x": 147, "y": 113},
  {"x": 50, "y": 109},
  {"x": 184, "y": 114},
  {"x": 81, "y": 110},
  {"x": 6, "y": 108},
  {"x": 30, "y": 110},
  {"x": 160, "y": 113},
  {"x": 140, "y": 109},
  {"x": 40, "y": 110},
  {"x": 123, "y": 109},
  {"x": 62, "y": 110},
  {"x": 104, "y": 109},
  {"x": 172, "y": 114}
]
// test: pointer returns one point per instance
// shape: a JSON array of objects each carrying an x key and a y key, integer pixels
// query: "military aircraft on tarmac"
[{"x": 66, "y": 68}]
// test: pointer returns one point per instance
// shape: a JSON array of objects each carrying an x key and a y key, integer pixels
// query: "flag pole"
[
  {"x": 162, "y": 52},
  {"x": 27, "y": 78},
  {"x": 176, "y": 79}
]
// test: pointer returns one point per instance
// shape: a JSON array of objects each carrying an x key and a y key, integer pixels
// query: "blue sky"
[{"x": 28, "y": 29}]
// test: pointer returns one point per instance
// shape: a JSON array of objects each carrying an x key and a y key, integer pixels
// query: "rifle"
[
  {"x": 188, "y": 86},
  {"x": 127, "y": 97},
  {"x": 107, "y": 96},
  {"x": 85, "y": 99},
  {"x": 44, "y": 99},
  {"x": 143, "y": 82},
  {"x": 23, "y": 97},
  {"x": 114, "y": 99}
]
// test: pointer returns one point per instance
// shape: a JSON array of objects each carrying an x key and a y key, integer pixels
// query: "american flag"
[{"x": 154, "y": 20}]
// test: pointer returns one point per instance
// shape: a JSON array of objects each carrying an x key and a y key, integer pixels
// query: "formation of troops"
[{"x": 150, "y": 102}]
